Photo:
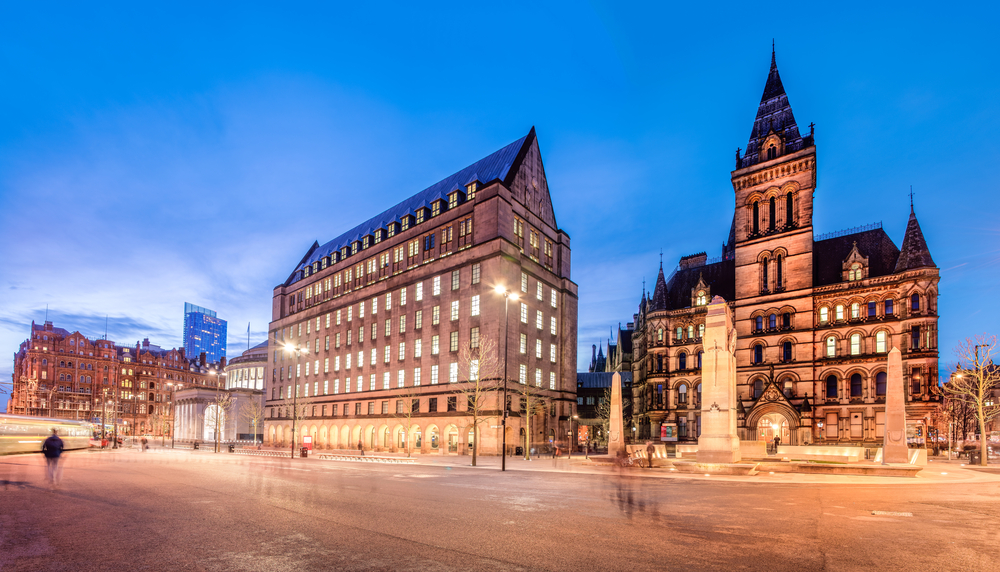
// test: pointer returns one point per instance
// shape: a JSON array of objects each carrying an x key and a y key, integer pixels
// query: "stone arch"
[
  {"x": 271, "y": 436},
  {"x": 451, "y": 438},
  {"x": 369, "y": 437},
  {"x": 323, "y": 439},
  {"x": 400, "y": 439},
  {"x": 314, "y": 433},
  {"x": 355, "y": 437},
  {"x": 432, "y": 437},
  {"x": 769, "y": 410},
  {"x": 345, "y": 436},
  {"x": 383, "y": 437}
]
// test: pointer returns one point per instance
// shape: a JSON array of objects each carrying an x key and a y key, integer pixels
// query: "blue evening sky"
[{"x": 192, "y": 152}]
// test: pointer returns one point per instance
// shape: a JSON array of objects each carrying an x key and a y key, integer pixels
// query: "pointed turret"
[
  {"x": 660, "y": 292},
  {"x": 774, "y": 117},
  {"x": 914, "y": 252}
]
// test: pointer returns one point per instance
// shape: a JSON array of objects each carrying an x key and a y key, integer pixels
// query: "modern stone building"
[
  {"x": 69, "y": 376},
  {"x": 369, "y": 329},
  {"x": 815, "y": 315}
]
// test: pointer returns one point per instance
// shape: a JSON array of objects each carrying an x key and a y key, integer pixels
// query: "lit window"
[
  {"x": 453, "y": 346},
  {"x": 824, "y": 315},
  {"x": 453, "y": 372},
  {"x": 476, "y": 271},
  {"x": 552, "y": 325},
  {"x": 701, "y": 298},
  {"x": 420, "y": 291},
  {"x": 524, "y": 313},
  {"x": 454, "y": 310},
  {"x": 402, "y": 351},
  {"x": 855, "y": 344},
  {"x": 552, "y": 380},
  {"x": 539, "y": 319},
  {"x": 436, "y": 287},
  {"x": 831, "y": 347},
  {"x": 434, "y": 374},
  {"x": 539, "y": 290},
  {"x": 417, "y": 347},
  {"x": 839, "y": 312},
  {"x": 552, "y": 353},
  {"x": 435, "y": 345},
  {"x": 880, "y": 339},
  {"x": 435, "y": 315},
  {"x": 475, "y": 305},
  {"x": 524, "y": 344},
  {"x": 855, "y": 310},
  {"x": 524, "y": 282},
  {"x": 522, "y": 376},
  {"x": 474, "y": 338},
  {"x": 538, "y": 349},
  {"x": 538, "y": 377}
]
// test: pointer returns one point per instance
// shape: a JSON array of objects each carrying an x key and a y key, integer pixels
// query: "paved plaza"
[{"x": 183, "y": 510}]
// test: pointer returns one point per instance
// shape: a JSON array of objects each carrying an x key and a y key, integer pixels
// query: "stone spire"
[
  {"x": 659, "y": 300},
  {"x": 914, "y": 252},
  {"x": 774, "y": 114}
]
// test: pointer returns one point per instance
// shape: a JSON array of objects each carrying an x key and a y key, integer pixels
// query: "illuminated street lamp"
[
  {"x": 295, "y": 350},
  {"x": 507, "y": 295},
  {"x": 173, "y": 410}
]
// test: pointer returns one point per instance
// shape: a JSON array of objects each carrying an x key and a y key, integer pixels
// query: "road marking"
[{"x": 889, "y": 513}]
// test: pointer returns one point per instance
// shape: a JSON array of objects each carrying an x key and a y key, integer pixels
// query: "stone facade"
[
  {"x": 69, "y": 376},
  {"x": 368, "y": 331},
  {"x": 815, "y": 315}
]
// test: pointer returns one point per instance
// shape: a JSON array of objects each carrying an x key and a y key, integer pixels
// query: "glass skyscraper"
[{"x": 203, "y": 332}]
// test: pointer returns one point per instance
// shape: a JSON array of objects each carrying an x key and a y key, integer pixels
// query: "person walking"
[
  {"x": 650, "y": 451},
  {"x": 777, "y": 441},
  {"x": 52, "y": 448},
  {"x": 361, "y": 447},
  {"x": 145, "y": 444}
]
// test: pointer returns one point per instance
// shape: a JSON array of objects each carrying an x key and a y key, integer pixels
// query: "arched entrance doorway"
[{"x": 773, "y": 425}]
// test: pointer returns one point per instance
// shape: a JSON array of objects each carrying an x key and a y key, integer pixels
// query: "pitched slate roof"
[
  {"x": 495, "y": 166},
  {"x": 719, "y": 276},
  {"x": 659, "y": 300},
  {"x": 914, "y": 253},
  {"x": 773, "y": 114},
  {"x": 829, "y": 255}
]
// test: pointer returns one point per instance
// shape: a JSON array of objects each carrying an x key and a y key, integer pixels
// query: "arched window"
[
  {"x": 763, "y": 274},
  {"x": 778, "y": 271},
  {"x": 699, "y": 394},
  {"x": 682, "y": 394},
  {"x": 789, "y": 213},
  {"x": 659, "y": 362},
  {"x": 856, "y": 385},
  {"x": 888, "y": 307},
  {"x": 659, "y": 334},
  {"x": 831, "y": 347},
  {"x": 838, "y": 312},
  {"x": 680, "y": 333},
  {"x": 758, "y": 388},
  {"x": 701, "y": 330},
  {"x": 855, "y": 310},
  {"x": 880, "y": 339},
  {"x": 824, "y": 315},
  {"x": 786, "y": 320},
  {"x": 682, "y": 360},
  {"x": 758, "y": 354},
  {"x": 915, "y": 302},
  {"x": 699, "y": 365},
  {"x": 690, "y": 332},
  {"x": 758, "y": 323},
  {"x": 854, "y": 273},
  {"x": 701, "y": 298},
  {"x": 772, "y": 321},
  {"x": 880, "y": 384},
  {"x": 831, "y": 386},
  {"x": 756, "y": 217},
  {"x": 788, "y": 388},
  {"x": 770, "y": 213},
  {"x": 45, "y": 361},
  {"x": 786, "y": 351},
  {"x": 772, "y": 152},
  {"x": 855, "y": 344}
]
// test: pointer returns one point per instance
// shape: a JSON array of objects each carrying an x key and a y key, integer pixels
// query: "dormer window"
[
  {"x": 354, "y": 247},
  {"x": 391, "y": 228},
  {"x": 701, "y": 298},
  {"x": 379, "y": 234},
  {"x": 454, "y": 198},
  {"x": 406, "y": 221},
  {"x": 323, "y": 262},
  {"x": 420, "y": 215},
  {"x": 435, "y": 208},
  {"x": 854, "y": 273},
  {"x": 365, "y": 241}
]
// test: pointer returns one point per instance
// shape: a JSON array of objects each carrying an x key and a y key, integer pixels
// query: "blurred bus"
[{"x": 20, "y": 434}]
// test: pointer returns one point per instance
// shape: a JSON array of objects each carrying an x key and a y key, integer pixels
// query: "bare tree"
[
  {"x": 532, "y": 403},
  {"x": 480, "y": 392},
  {"x": 159, "y": 421},
  {"x": 975, "y": 379},
  {"x": 216, "y": 414},
  {"x": 252, "y": 413},
  {"x": 407, "y": 407}
]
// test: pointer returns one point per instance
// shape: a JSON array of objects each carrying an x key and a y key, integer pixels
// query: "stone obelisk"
[
  {"x": 718, "y": 442},
  {"x": 616, "y": 425},
  {"x": 894, "y": 444}
]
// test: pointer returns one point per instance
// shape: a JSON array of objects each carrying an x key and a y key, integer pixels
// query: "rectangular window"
[
  {"x": 524, "y": 313},
  {"x": 434, "y": 345},
  {"x": 432, "y": 405},
  {"x": 371, "y": 382},
  {"x": 871, "y": 309},
  {"x": 385, "y": 380},
  {"x": 388, "y": 328},
  {"x": 336, "y": 362},
  {"x": 454, "y": 341},
  {"x": 418, "y": 319},
  {"x": 474, "y": 338},
  {"x": 386, "y": 353},
  {"x": 374, "y": 358},
  {"x": 475, "y": 305},
  {"x": 452, "y": 404},
  {"x": 327, "y": 325},
  {"x": 522, "y": 375},
  {"x": 348, "y": 337},
  {"x": 436, "y": 286},
  {"x": 453, "y": 372},
  {"x": 524, "y": 344},
  {"x": 402, "y": 351},
  {"x": 401, "y": 378},
  {"x": 350, "y": 313},
  {"x": 538, "y": 377},
  {"x": 338, "y": 317},
  {"x": 524, "y": 283},
  {"x": 336, "y": 390},
  {"x": 832, "y": 423},
  {"x": 539, "y": 290},
  {"x": 327, "y": 343},
  {"x": 552, "y": 325},
  {"x": 554, "y": 298},
  {"x": 454, "y": 310},
  {"x": 476, "y": 269},
  {"x": 434, "y": 374},
  {"x": 552, "y": 353},
  {"x": 888, "y": 307},
  {"x": 435, "y": 315},
  {"x": 473, "y": 370},
  {"x": 416, "y": 348},
  {"x": 538, "y": 349},
  {"x": 374, "y": 306},
  {"x": 454, "y": 279},
  {"x": 347, "y": 362},
  {"x": 416, "y": 377},
  {"x": 552, "y": 380},
  {"x": 539, "y": 319},
  {"x": 420, "y": 291},
  {"x": 336, "y": 340},
  {"x": 326, "y": 365},
  {"x": 402, "y": 324},
  {"x": 402, "y": 296},
  {"x": 361, "y": 309}
]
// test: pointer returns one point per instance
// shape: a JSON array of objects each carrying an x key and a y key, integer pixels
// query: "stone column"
[
  {"x": 616, "y": 426},
  {"x": 719, "y": 442},
  {"x": 894, "y": 443}
]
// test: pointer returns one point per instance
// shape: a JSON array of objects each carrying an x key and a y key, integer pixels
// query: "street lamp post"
[
  {"x": 295, "y": 394},
  {"x": 572, "y": 435},
  {"x": 507, "y": 295}
]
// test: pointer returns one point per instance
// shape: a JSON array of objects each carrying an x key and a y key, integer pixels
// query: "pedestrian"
[
  {"x": 650, "y": 451},
  {"x": 52, "y": 448},
  {"x": 144, "y": 444},
  {"x": 777, "y": 441},
  {"x": 361, "y": 447}
]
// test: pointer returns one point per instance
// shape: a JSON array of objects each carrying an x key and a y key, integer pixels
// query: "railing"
[
  {"x": 368, "y": 459},
  {"x": 263, "y": 453},
  {"x": 846, "y": 231}
]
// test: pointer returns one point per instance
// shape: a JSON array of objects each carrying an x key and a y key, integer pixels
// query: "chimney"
[
  {"x": 203, "y": 359},
  {"x": 145, "y": 342},
  {"x": 222, "y": 362},
  {"x": 593, "y": 353}
]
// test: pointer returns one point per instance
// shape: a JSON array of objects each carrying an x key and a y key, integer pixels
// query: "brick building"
[
  {"x": 815, "y": 315},
  {"x": 378, "y": 317},
  {"x": 69, "y": 376}
]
